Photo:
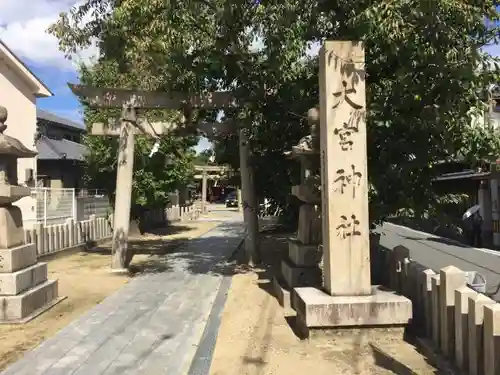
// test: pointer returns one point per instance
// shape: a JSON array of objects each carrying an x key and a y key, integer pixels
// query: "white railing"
[
  {"x": 56, "y": 205},
  {"x": 91, "y": 193},
  {"x": 53, "y": 205}
]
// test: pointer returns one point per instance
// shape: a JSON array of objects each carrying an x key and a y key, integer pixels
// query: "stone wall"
[{"x": 448, "y": 316}]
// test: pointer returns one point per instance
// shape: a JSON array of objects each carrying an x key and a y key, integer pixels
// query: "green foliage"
[
  {"x": 425, "y": 72},
  {"x": 203, "y": 158}
]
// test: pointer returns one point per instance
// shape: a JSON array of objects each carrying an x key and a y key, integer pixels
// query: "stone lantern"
[
  {"x": 25, "y": 291},
  {"x": 302, "y": 267}
]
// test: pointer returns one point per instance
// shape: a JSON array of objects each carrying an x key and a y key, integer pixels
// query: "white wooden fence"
[
  {"x": 181, "y": 213},
  {"x": 54, "y": 238}
]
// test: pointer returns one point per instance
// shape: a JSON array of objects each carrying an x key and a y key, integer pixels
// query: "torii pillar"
[
  {"x": 125, "y": 128},
  {"x": 203, "y": 192}
]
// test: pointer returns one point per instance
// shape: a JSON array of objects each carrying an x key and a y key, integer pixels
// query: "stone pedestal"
[
  {"x": 318, "y": 309},
  {"x": 25, "y": 291},
  {"x": 301, "y": 267}
]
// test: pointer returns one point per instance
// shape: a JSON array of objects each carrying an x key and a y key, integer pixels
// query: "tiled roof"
[
  {"x": 47, "y": 116},
  {"x": 53, "y": 149}
]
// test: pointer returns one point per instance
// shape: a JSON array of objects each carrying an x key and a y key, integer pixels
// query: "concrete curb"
[{"x": 202, "y": 359}]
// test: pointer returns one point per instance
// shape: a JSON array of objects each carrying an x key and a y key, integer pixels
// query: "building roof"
[
  {"x": 40, "y": 90},
  {"x": 61, "y": 121},
  {"x": 54, "y": 149}
]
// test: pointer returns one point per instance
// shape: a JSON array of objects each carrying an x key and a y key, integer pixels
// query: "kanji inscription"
[
  {"x": 348, "y": 178},
  {"x": 1, "y": 262},
  {"x": 348, "y": 227},
  {"x": 344, "y": 95},
  {"x": 345, "y": 134}
]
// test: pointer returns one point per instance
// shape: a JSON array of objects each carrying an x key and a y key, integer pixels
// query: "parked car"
[{"x": 231, "y": 200}]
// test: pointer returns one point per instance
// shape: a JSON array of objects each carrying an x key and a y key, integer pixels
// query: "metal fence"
[
  {"x": 85, "y": 193},
  {"x": 56, "y": 205},
  {"x": 97, "y": 205},
  {"x": 53, "y": 205}
]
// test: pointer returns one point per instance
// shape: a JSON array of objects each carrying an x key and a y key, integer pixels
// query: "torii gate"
[
  {"x": 204, "y": 176},
  {"x": 126, "y": 127},
  {"x": 249, "y": 199}
]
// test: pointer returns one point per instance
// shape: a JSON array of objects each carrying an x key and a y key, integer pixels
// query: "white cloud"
[{"x": 23, "y": 27}]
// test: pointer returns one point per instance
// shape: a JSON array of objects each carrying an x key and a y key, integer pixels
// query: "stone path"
[{"x": 152, "y": 325}]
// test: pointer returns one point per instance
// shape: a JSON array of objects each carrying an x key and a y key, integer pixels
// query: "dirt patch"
[
  {"x": 85, "y": 279},
  {"x": 256, "y": 338}
]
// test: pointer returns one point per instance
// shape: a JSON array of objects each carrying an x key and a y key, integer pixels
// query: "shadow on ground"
[{"x": 201, "y": 255}]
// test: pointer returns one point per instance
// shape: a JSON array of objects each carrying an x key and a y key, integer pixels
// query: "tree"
[{"x": 425, "y": 73}]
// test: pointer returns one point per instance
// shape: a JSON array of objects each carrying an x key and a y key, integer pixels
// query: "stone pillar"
[
  {"x": 416, "y": 294},
  {"x": 240, "y": 201},
  {"x": 451, "y": 279},
  {"x": 477, "y": 302},
  {"x": 495, "y": 213},
  {"x": 350, "y": 300},
  {"x": 436, "y": 321},
  {"x": 204, "y": 192},
  {"x": 344, "y": 181},
  {"x": 123, "y": 197},
  {"x": 398, "y": 255},
  {"x": 492, "y": 339},
  {"x": 462, "y": 296},
  {"x": 426, "y": 285}
]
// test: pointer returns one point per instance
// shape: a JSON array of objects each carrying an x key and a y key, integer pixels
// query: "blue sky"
[{"x": 22, "y": 28}]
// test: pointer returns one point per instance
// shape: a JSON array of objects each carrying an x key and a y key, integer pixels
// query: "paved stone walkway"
[{"x": 150, "y": 326}]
